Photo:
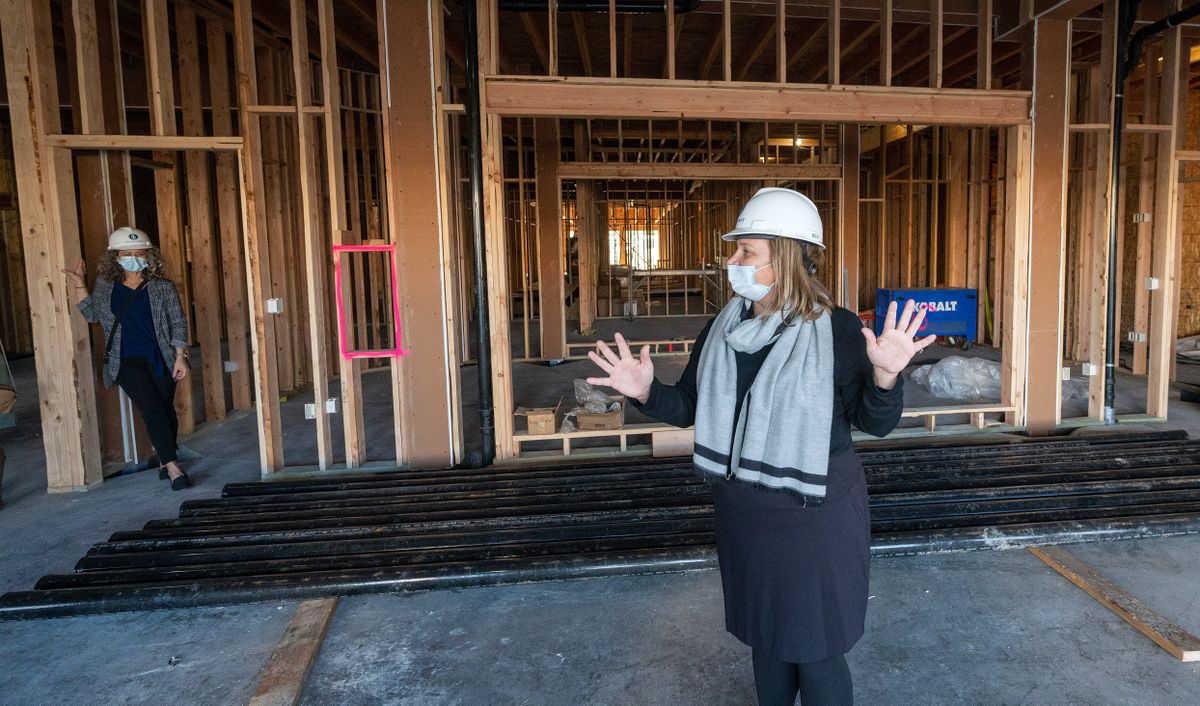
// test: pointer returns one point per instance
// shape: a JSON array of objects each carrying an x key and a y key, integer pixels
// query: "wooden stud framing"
[
  {"x": 587, "y": 232},
  {"x": 1015, "y": 303},
  {"x": 551, "y": 312},
  {"x": 848, "y": 211},
  {"x": 233, "y": 266},
  {"x": 1145, "y": 231},
  {"x": 835, "y": 42},
  {"x": 1097, "y": 298},
  {"x": 250, "y": 163},
  {"x": 316, "y": 252},
  {"x": 349, "y": 371},
  {"x": 936, "y": 42},
  {"x": 202, "y": 240},
  {"x": 1166, "y": 230},
  {"x": 156, "y": 31},
  {"x": 51, "y": 239},
  {"x": 885, "y": 43},
  {"x": 496, "y": 245},
  {"x": 1051, "y": 94},
  {"x": 582, "y": 97}
]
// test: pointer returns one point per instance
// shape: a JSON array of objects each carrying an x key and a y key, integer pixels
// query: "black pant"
[
  {"x": 154, "y": 397},
  {"x": 824, "y": 683}
]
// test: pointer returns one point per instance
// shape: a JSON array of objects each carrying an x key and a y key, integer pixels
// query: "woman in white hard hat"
[
  {"x": 145, "y": 335},
  {"x": 773, "y": 385}
]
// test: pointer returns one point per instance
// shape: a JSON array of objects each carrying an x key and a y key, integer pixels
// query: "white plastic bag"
[
  {"x": 959, "y": 378},
  {"x": 588, "y": 399}
]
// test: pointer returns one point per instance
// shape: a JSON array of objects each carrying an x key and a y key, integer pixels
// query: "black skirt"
[{"x": 795, "y": 577}]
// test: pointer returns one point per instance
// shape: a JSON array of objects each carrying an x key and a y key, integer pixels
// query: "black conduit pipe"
[
  {"x": 1129, "y": 53},
  {"x": 487, "y": 427}
]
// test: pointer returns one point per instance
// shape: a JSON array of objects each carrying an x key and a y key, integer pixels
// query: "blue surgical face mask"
[
  {"x": 744, "y": 283},
  {"x": 131, "y": 263}
]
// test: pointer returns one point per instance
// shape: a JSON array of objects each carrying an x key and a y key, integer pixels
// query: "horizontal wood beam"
[
  {"x": 143, "y": 142},
  {"x": 617, "y": 98},
  {"x": 616, "y": 170}
]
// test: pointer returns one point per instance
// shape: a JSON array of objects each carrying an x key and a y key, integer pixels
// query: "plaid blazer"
[{"x": 170, "y": 326}]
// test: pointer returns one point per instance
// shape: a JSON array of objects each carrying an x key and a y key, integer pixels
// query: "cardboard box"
[
  {"x": 540, "y": 420},
  {"x": 598, "y": 421}
]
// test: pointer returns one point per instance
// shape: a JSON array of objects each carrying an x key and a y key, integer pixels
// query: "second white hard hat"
[
  {"x": 127, "y": 238},
  {"x": 775, "y": 212}
]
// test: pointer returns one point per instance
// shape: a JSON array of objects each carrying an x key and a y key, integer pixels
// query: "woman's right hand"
[
  {"x": 75, "y": 274},
  {"x": 627, "y": 375}
]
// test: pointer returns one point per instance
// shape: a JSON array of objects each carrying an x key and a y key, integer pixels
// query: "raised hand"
[
  {"x": 75, "y": 274},
  {"x": 627, "y": 375},
  {"x": 895, "y": 346}
]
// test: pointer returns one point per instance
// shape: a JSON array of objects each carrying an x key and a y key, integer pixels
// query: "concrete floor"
[{"x": 982, "y": 628}]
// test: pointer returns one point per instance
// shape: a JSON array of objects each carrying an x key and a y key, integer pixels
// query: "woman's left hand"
[
  {"x": 180, "y": 370},
  {"x": 895, "y": 346}
]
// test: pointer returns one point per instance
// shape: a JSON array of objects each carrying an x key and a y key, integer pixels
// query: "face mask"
[
  {"x": 741, "y": 278},
  {"x": 130, "y": 263}
]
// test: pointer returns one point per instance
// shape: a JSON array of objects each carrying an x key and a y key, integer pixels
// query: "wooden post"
[
  {"x": 835, "y": 41},
  {"x": 587, "y": 233},
  {"x": 935, "y": 43},
  {"x": 258, "y": 281},
  {"x": 46, "y": 195},
  {"x": 233, "y": 265},
  {"x": 1097, "y": 299},
  {"x": 423, "y": 425},
  {"x": 1166, "y": 230},
  {"x": 1145, "y": 232},
  {"x": 848, "y": 234},
  {"x": 316, "y": 253},
  {"x": 157, "y": 34},
  {"x": 551, "y": 312},
  {"x": 1051, "y": 95},
  {"x": 349, "y": 371},
  {"x": 104, "y": 192},
  {"x": 496, "y": 245},
  {"x": 958, "y": 180},
  {"x": 205, "y": 276},
  {"x": 1015, "y": 302}
]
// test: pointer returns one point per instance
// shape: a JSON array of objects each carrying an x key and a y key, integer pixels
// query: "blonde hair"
[
  {"x": 796, "y": 291},
  {"x": 109, "y": 268}
]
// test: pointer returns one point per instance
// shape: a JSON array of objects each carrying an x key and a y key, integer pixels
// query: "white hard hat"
[
  {"x": 774, "y": 212},
  {"x": 126, "y": 238}
]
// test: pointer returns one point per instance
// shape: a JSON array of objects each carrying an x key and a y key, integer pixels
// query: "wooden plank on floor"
[
  {"x": 284, "y": 676},
  {"x": 1172, "y": 638}
]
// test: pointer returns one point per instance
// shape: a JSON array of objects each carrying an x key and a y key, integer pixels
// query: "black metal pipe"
[
  {"x": 623, "y": 6},
  {"x": 483, "y": 328}
]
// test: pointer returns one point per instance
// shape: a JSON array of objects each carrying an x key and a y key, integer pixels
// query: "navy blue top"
[{"x": 137, "y": 327}]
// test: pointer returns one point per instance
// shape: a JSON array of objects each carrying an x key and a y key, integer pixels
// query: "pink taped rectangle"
[{"x": 343, "y": 335}]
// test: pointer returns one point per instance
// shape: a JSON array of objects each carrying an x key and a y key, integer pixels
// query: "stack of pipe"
[{"x": 468, "y": 527}]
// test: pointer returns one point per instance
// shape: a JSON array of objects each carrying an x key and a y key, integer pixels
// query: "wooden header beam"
[
  {"x": 715, "y": 171},
  {"x": 650, "y": 98}
]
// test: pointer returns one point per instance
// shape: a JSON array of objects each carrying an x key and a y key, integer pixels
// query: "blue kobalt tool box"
[{"x": 948, "y": 312}]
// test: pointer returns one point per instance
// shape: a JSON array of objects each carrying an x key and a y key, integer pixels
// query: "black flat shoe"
[
  {"x": 162, "y": 473},
  {"x": 181, "y": 482}
]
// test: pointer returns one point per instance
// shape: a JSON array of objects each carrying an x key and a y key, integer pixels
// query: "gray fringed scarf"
[{"x": 781, "y": 437}]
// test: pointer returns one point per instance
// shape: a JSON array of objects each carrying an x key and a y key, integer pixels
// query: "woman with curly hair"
[{"x": 145, "y": 335}]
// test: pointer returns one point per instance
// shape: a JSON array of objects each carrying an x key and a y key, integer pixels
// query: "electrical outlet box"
[
  {"x": 1136, "y": 337},
  {"x": 331, "y": 405},
  {"x": 1066, "y": 372},
  {"x": 1089, "y": 369},
  {"x": 310, "y": 411},
  {"x": 275, "y": 306},
  {"x": 1151, "y": 283},
  {"x": 231, "y": 366}
]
